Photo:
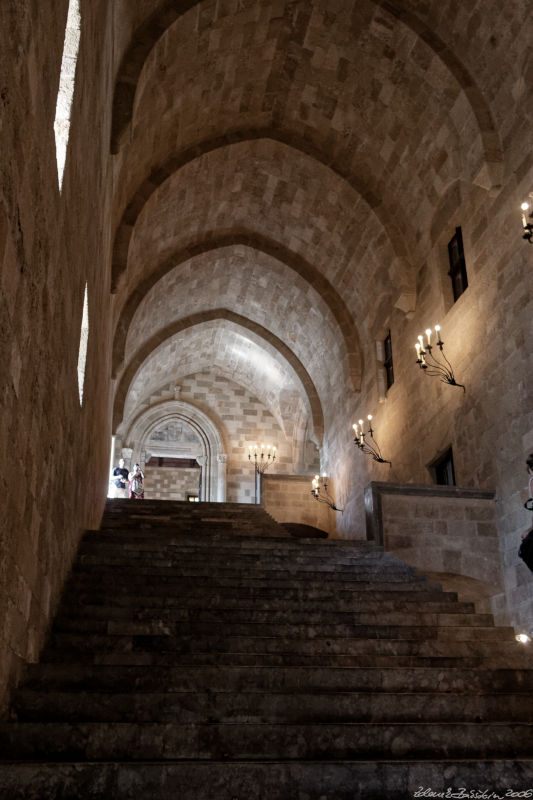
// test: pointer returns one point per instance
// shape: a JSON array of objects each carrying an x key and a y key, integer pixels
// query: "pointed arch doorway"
[{"x": 176, "y": 436}]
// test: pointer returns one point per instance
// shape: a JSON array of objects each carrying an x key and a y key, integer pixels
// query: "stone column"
[{"x": 222, "y": 459}]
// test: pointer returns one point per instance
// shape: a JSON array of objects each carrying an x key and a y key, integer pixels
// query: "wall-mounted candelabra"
[
  {"x": 321, "y": 494},
  {"x": 527, "y": 227},
  {"x": 430, "y": 363},
  {"x": 262, "y": 458},
  {"x": 366, "y": 441}
]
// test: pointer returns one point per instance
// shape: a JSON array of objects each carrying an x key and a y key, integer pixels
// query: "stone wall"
[
  {"x": 54, "y": 453},
  {"x": 169, "y": 483},
  {"x": 445, "y": 530},
  {"x": 287, "y": 498}
]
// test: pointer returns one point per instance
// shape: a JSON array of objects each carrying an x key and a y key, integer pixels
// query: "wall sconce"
[
  {"x": 368, "y": 445},
  {"x": 324, "y": 497},
  {"x": 430, "y": 364},
  {"x": 262, "y": 461},
  {"x": 527, "y": 227}
]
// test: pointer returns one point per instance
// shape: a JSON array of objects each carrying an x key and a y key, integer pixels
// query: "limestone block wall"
[
  {"x": 54, "y": 452},
  {"x": 439, "y": 529},
  {"x": 168, "y": 483},
  {"x": 287, "y": 498},
  {"x": 485, "y": 334}
]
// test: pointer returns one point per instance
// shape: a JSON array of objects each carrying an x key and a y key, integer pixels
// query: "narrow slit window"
[
  {"x": 84, "y": 338},
  {"x": 387, "y": 363},
  {"x": 66, "y": 86},
  {"x": 457, "y": 271}
]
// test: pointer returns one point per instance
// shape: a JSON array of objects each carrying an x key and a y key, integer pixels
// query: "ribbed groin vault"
[{"x": 225, "y": 223}]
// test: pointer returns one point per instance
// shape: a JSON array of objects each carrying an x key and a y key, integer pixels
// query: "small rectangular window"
[
  {"x": 387, "y": 363},
  {"x": 442, "y": 469},
  {"x": 457, "y": 271}
]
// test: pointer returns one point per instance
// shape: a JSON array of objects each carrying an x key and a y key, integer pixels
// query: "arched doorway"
[{"x": 174, "y": 435}]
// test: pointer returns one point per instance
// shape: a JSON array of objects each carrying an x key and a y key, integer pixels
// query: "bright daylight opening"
[
  {"x": 66, "y": 86},
  {"x": 84, "y": 338}
]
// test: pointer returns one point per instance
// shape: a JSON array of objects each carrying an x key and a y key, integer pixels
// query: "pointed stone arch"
[
  {"x": 137, "y": 438},
  {"x": 215, "y": 240},
  {"x": 151, "y": 30},
  {"x": 366, "y": 186},
  {"x": 166, "y": 333}
]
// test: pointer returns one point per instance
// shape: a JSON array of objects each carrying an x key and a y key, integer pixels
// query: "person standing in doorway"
[
  {"x": 136, "y": 479},
  {"x": 120, "y": 480}
]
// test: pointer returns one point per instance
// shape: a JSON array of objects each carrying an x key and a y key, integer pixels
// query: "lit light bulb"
[
  {"x": 324, "y": 475},
  {"x": 360, "y": 422},
  {"x": 354, "y": 426},
  {"x": 524, "y": 206},
  {"x": 428, "y": 334},
  {"x": 317, "y": 477},
  {"x": 437, "y": 328},
  {"x": 369, "y": 417},
  {"x": 522, "y": 637}
]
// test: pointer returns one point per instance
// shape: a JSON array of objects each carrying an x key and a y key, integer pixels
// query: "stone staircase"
[{"x": 201, "y": 652}]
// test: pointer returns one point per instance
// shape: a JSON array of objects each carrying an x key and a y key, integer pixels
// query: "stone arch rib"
[
  {"x": 148, "y": 34},
  {"x": 196, "y": 319}
]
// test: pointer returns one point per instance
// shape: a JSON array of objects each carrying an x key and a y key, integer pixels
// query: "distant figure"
[
  {"x": 120, "y": 480},
  {"x": 136, "y": 479},
  {"x": 529, "y": 502},
  {"x": 529, "y": 462}
]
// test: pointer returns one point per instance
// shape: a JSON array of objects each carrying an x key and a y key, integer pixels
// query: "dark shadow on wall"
[{"x": 299, "y": 531}]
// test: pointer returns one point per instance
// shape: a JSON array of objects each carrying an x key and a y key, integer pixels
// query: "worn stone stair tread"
[
  {"x": 433, "y": 614},
  {"x": 390, "y": 600},
  {"x": 52, "y": 676},
  {"x": 129, "y": 741},
  {"x": 289, "y": 707},
  {"x": 255, "y": 780}
]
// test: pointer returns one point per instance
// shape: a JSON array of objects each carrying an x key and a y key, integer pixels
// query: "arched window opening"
[
  {"x": 84, "y": 338},
  {"x": 66, "y": 86}
]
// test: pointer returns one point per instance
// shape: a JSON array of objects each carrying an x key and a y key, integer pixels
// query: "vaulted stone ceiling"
[{"x": 279, "y": 166}]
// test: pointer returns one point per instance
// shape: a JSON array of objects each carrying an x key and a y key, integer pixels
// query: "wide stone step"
[
  {"x": 271, "y": 707},
  {"x": 228, "y": 600},
  {"x": 132, "y": 742},
  {"x": 364, "y": 571},
  {"x": 193, "y": 560},
  {"x": 444, "y": 615},
  {"x": 159, "y": 641},
  {"x": 206, "y": 586},
  {"x": 499, "y": 659},
  {"x": 458, "y": 681},
  {"x": 408, "y": 630},
  {"x": 156, "y": 538},
  {"x": 254, "y": 780}
]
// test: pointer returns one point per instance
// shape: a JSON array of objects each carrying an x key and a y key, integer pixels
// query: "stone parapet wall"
[
  {"x": 287, "y": 498},
  {"x": 440, "y": 529}
]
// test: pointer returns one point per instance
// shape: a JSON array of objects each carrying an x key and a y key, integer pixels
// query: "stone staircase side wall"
[
  {"x": 439, "y": 529},
  {"x": 287, "y": 498}
]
